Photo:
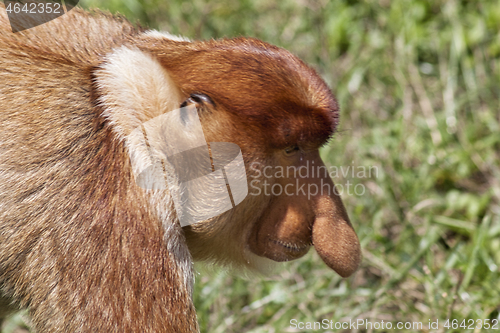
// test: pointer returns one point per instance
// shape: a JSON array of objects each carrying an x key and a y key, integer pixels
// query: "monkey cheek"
[{"x": 337, "y": 244}]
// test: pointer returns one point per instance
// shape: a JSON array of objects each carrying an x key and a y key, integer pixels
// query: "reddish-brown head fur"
[{"x": 266, "y": 87}]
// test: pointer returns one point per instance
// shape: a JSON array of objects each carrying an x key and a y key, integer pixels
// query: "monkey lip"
[{"x": 284, "y": 251}]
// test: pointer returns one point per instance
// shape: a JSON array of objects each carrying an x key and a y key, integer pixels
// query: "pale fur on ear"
[{"x": 134, "y": 88}]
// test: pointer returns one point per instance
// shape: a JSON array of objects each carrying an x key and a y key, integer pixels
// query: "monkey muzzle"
[{"x": 292, "y": 224}]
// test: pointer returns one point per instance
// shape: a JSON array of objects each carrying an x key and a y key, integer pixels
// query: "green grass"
[{"x": 419, "y": 87}]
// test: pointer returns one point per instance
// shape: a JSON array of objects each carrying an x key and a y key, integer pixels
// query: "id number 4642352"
[{"x": 472, "y": 324}]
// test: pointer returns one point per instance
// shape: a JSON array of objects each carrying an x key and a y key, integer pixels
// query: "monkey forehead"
[
  {"x": 260, "y": 83},
  {"x": 286, "y": 97}
]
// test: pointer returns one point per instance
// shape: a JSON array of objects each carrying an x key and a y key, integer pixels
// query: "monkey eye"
[
  {"x": 289, "y": 151},
  {"x": 197, "y": 98}
]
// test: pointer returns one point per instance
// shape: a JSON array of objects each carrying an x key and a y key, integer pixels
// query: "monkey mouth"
[
  {"x": 288, "y": 251},
  {"x": 292, "y": 246}
]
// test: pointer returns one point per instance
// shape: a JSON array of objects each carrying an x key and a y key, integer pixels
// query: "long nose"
[
  {"x": 309, "y": 211},
  {"x": 333, "y": 236}
]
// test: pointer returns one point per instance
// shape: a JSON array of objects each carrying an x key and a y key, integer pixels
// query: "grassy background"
[{"x": 418, "y": 83}]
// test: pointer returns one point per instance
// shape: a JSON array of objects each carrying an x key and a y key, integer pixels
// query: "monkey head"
[{"x": 279, "y": 112}]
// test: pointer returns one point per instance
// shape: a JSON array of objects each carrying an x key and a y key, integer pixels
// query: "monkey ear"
[{"x": 134, "y": 88}]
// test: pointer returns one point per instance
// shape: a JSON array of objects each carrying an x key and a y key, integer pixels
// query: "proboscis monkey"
[{"x": 82, "y": 244}]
